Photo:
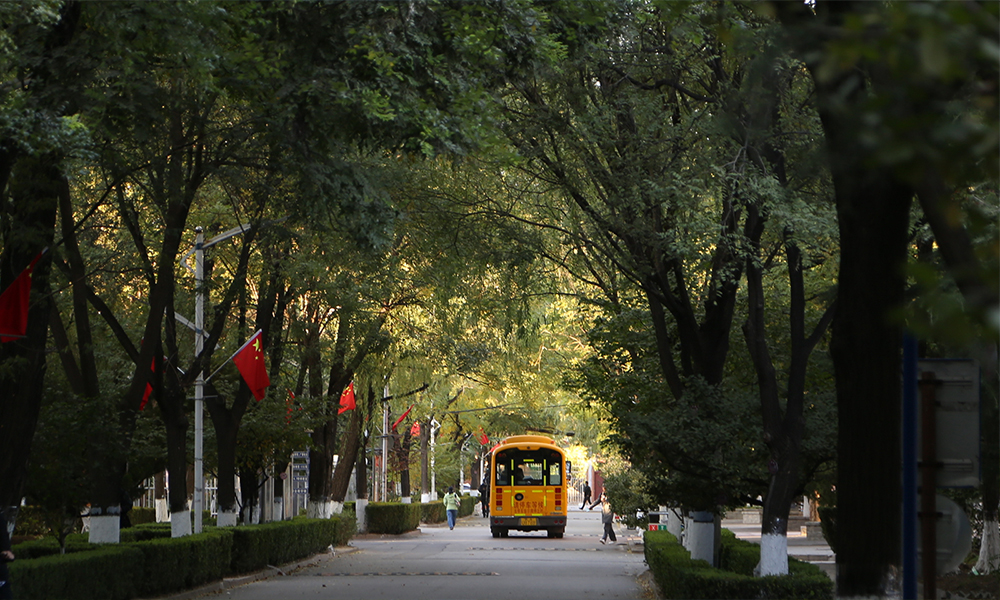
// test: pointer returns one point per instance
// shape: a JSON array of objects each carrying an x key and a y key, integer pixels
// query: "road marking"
[
  {"x": 543, "y": 549},
  {"x": 408, "y": 574}
]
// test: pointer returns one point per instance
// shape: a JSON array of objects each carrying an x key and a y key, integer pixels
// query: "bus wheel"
[
  {"x": 495, "y": 532},
  {"x": 560, "y": 532},
  {"x": 504, "y": 532},
  {"x": 551, "y": 533}
]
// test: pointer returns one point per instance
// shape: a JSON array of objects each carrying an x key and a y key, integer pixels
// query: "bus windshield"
[{"x": 528, "y": 467}]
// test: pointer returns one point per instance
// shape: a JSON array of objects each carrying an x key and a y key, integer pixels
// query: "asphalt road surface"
[{"x": 467, "y": 563}]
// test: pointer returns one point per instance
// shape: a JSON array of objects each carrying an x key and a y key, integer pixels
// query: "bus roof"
[{"x": 528, "y": 439}]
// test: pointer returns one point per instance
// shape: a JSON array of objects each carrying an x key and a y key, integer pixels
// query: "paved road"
[{"x": 467, "y": 562}]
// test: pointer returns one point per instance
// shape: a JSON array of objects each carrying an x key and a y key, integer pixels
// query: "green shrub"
[
  {"x": 49, "y": 546},
  {"x": 105, "y": 573},
  {"x": 145, "y": 532},
  {"x": 393, "y": 517},
  {"x": 275, "y": 543},
  {"x": 433, "y": 512},
  {"x": 31, "y": 521},
  {"x": 140, "y": 516},
  {"x": 467, "y": 506},
  {"x": 678, "y": 576},
  {"x": 172, "y": 564},
  {"x": 155, "y": 563}
]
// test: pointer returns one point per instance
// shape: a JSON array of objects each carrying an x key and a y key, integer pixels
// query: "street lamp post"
[{"x": 200, "y": 246}]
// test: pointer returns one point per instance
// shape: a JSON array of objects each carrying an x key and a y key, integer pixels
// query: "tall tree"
[{"x": 897, "y": 85}]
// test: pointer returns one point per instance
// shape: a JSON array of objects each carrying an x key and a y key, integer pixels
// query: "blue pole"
[{"x": 909, "y": 467}]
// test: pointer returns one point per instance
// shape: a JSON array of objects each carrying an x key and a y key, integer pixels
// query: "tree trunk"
[
  {"x": 30, "y": 218},
  {"x": 176, "y": 425},
  {"x": 349, "y": 454},
  {"x": 989, "y": 551},
  {"x": 226, "y": 431},
  {"x": 873, "y": 213},
  {"x": 321, "y": 470}
]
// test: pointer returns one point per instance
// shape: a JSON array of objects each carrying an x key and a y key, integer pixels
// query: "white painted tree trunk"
[
  {"x": 674, "y": 523},
  {"x": 319, "y": 510},
  {"x": 700, "y": 541},
  {"x": 989, "y": 551},
  {"x": 180, "y": 523},
  {"x": 773, "y": 555},
  {"x": 226, "y": 518},
  {"x": 162, "y": 510},
  {"x": 324, "y": 509},
  {"x": 105, "y": 529},
  {"x": 361, "y": 508}
]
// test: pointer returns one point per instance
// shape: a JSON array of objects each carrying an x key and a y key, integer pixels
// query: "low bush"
[
  {"x": 281, "y": 542},
  {"x": 107, "y": 572},
  {"x": 433, "y": 512},
  {"x": 678, "y": 576},
  {"x": 156, "y": 564},
  {"x": 50, "y": 546},
  {"x": 468, "y": 504},
  {"x": 140, "y": 516},
  {"x": 393, "y": 517}
]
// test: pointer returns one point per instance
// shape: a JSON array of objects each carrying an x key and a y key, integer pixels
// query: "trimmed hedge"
[
  {"x": 141, "y": 516},
  {"x": 284, "y": 541},
  {"x": 393, "y": 517},
  {"x": 433, "y": 512},
  {"x": 174, "y": 564},
  {"x": 160, "y": 565},
  {"x": 106, "y": 573},
  {"x": 467, "y": 505},
  {"x": 678, "y": 576}
]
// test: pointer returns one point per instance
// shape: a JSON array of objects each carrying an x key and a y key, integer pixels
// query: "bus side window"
[
  {"x": 555, "y": 477},
  {"x": 503, "y": 478}
]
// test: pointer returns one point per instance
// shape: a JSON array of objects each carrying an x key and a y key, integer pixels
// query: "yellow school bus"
[{"x": 529, "y": 475}]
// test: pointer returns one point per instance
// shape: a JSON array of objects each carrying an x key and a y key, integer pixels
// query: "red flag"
[
  {"x": 250, "y": 361},
  {"x": 347, "y": 399},
  {"x": 401, "y": 417},
  {"x": 415, "y": 429},
  {"x": 14, "y": 305},
  {"x": 482, "y": 437},
  {"x": 289, "y": 401},
  {"x": 149, "y": 386}
]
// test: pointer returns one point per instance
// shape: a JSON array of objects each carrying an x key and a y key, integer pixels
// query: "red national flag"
[
  {"x": 482, "y": 437},
  {"x": 14, "y": 305},
  {"x": 289, "y": 405},
  {"x": 401, "y": 417},
  {"x": 149, "y": 386},
  {"x": 347, "y": 399},
  {"x": 250, "y": 361},
  {"x": 415, "y": 429}
]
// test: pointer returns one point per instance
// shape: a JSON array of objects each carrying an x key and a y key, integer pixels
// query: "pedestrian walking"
[
  {"x": 484, "y": 497},
  {"x": 6, "y": 556},
  {"x": 586, "y": 495},
  {"x": 607, "y": 517},
  {"x": 451, "y": 506}
]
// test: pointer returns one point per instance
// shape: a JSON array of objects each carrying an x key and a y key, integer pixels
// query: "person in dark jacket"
[
  {"x": 6, "y": 556},
  {"x": 586, "y": 495},
  {"x": 484, "y": 497}
]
